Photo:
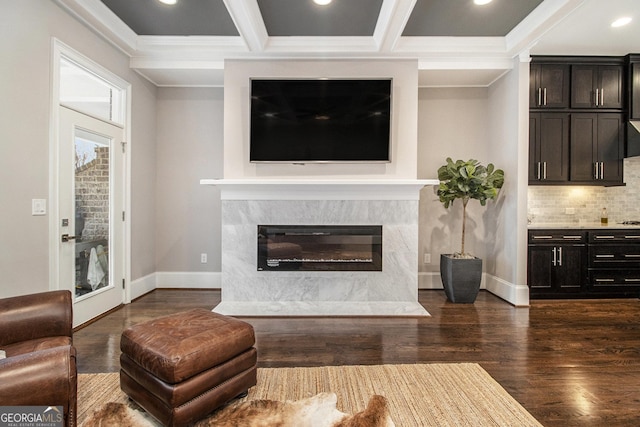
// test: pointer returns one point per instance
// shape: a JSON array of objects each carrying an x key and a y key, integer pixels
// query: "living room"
[
  {"x": 173, "y": 219},
  {"x": 180, "y": 134}
]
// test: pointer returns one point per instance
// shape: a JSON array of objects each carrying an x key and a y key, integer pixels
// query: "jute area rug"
[{"x": 457, "y": 394}]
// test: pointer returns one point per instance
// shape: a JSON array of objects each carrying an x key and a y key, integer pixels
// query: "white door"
[{"x": 90, "y": 202}]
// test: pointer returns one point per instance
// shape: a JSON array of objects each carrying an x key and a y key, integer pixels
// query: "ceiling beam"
[
  {"x": 248, "y": 20},
  {"x": 393, "y": 17},
  {"x": 544, "y": 17}
]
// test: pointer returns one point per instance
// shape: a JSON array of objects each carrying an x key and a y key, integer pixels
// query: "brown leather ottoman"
[{"x": 181, "y": 367}]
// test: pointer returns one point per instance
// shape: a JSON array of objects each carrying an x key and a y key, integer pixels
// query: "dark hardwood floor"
[{"x": 574, "y": 362}]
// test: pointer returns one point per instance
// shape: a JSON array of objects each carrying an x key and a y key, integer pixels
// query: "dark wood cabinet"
[
  {"x": 582, "y": 141},
  {"x": 597, "y": 86},
  {"x": 614, "y": 262},
  {"x": 557, "y": 261},
  {"x": 548, "y": 147},
  {"x": 549, "y": 85},
  {"x": 594, "y": 263},
  {"x": 597, "y": 148}
]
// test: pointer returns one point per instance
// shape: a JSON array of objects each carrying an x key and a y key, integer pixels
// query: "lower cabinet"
[
  {"x": 566, "y": 263},
  {"x": 614, "y": 262},
  {"x": 557, "y": 263}
]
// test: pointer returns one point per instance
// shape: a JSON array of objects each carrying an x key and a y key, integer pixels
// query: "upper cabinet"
[
  {"x": 576, "y": 120},
  {"x": 548, "y": 148},
  {"x": 597, "y": 86},
  {"x": 549, "y": 85},
  {"x": 633, "y": 84},
  {"x": 597, "y": 148}
]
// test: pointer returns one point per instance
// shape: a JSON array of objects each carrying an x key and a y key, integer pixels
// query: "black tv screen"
[{"x": 320, "y": 120}]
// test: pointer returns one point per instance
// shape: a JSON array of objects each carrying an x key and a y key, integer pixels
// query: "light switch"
[{"x": 38, "y": 206}]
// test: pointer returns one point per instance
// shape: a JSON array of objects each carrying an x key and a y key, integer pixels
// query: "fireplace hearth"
[{"x": 319, "y": 248}]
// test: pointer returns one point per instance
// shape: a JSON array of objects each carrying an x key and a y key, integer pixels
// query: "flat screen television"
[{"x": 320, "y": 120}]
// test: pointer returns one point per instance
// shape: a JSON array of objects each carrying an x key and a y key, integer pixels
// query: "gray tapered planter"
[{"x": 461, "y": 278}]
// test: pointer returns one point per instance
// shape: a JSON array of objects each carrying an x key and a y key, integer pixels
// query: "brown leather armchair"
[{"x": 36, "y": 333}]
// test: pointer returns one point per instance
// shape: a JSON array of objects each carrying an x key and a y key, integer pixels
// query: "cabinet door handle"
[
  {"x": 601, "y": 96},
  {"x": 572, "y": 237},
  {"x": 605, "y": 280},
  {"x": 605, "y": 256},
  {"x": 632, "y": 237},
  {"x": 539, "y": 175},
  {"x": 595, "y": 170},
  {"x": 632, "y": 255},
  {"x": 544, "y": 170},
  {"x": 545, "y": 96},
  {"x": 554, "y": 256},
  {"x": 632, "y": 280},
  {"x": 605, "y": 237},
  {"x": 601, "y": 170},
  {"x": 542, "y": 237},
  {"x": 560, "y": 257},
  {"x": 539, "y": 96},
  {"x": 597, "y": 96}
]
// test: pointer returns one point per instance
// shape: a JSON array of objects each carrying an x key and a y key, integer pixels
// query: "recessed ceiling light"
[
  {"x": 482, "y": 2},
  {"x": 168, "y": 1},
  {"x": 322, "y": 2},
  {"x": 621, "y": 21}
]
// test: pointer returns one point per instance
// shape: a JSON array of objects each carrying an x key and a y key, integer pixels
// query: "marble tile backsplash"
[{"x": 549, "y": 204}]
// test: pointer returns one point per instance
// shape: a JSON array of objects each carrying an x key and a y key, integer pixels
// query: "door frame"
[{"x": 58, "y": 51}]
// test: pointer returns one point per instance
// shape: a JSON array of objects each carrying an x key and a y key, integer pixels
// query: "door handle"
[{"x": 66, "y": 237}]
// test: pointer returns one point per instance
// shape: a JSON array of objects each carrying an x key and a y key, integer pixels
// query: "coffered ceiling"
[{"x": 456, "y": 42}]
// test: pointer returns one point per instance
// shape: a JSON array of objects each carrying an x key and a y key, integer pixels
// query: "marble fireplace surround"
[{"x": 392, "y": 203}]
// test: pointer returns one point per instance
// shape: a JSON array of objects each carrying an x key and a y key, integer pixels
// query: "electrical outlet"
[
  {"x": 427, "y": 258},
  {"x": 203, "y": 258}
]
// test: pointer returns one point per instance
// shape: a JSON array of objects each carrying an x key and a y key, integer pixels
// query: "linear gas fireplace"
[{"x": 319, "y": 248}]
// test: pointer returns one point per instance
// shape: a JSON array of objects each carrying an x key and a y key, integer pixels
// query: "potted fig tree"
[{"x": 461, "y": 272}]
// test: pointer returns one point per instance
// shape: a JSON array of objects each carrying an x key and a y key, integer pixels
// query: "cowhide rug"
[{"x": 317, "y": 411}]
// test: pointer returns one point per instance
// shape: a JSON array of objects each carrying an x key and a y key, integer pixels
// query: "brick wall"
[
  {"x": 547, "y": 204},
  {"x": 92, "y": 195}
]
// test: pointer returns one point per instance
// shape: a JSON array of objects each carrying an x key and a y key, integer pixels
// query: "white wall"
[
  {"x": 189, "y": 148},
  {"x": 26, "y": 31},
  {"x": 506, "y": 218},
  {"x": 404, "y": 112},
  {"x": 489, "y": 125},
  {"x": 453, "y": 122}
]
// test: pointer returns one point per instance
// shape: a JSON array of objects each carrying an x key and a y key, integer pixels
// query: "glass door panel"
[{"x": 92, "y": 194}]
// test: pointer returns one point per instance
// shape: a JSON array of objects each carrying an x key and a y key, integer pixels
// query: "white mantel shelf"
[{"x": 319, "y": 189}]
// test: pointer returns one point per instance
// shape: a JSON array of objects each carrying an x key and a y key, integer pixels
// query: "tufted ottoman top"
[{"x": 181, "y": 345}]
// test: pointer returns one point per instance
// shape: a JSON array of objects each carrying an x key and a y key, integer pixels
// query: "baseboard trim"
[
  {"x": 188, "y": 280},
  {"x": 517, "y": 295},
  {"x": 432, "y": 280},
  {"x": 142, "y": 286}
]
